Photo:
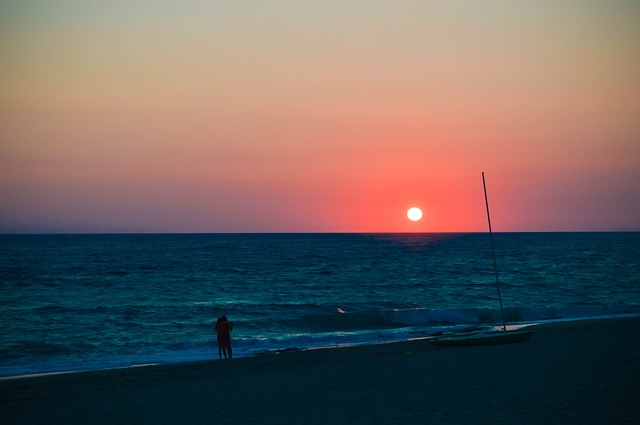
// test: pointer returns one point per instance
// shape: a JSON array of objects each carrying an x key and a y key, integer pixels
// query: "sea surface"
[{"x": 82, "y": 302}]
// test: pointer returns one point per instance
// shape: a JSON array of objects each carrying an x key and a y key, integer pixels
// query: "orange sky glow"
[{"x": 251, "y": 116}]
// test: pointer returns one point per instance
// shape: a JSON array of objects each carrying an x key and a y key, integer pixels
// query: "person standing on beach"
[{"x": 224, "y": 328}]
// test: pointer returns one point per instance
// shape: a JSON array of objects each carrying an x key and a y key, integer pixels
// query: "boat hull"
[{"x": 485, "y": 338}]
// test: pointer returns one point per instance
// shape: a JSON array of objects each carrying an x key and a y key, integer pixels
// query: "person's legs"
[
  {"x": 224, "y": 345},
  {"x": 229, "y": 348}
]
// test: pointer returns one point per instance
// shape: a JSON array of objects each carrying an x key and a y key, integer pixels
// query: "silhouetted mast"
[{"x": 493, "y": 253}]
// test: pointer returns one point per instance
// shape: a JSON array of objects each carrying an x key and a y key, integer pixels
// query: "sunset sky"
[{"x": 318, "y": 116}]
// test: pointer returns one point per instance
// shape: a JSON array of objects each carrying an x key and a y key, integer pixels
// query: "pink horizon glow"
[{"x": 331, "y": 117}]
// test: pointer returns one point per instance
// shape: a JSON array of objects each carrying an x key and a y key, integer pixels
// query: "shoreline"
[
  {"x": 585, "y": 371},
  {"x": 510, "y": 326}
]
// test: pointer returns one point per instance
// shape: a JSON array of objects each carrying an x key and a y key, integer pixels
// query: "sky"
[{"x": 331, "y": 116}]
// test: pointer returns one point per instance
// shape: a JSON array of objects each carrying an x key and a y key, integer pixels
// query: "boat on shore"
[
  {"x": 490, "y": 337},
  {"x": 482, "y": 338}
]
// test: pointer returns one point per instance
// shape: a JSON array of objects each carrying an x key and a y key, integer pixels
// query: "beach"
[{"x": 569, "y": 372}]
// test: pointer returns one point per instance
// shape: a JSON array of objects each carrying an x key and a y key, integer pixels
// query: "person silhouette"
[{"x": 224, "y": 328}]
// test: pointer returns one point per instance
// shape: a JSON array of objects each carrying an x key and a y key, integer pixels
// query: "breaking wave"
[{"x": 418, "y": 317}]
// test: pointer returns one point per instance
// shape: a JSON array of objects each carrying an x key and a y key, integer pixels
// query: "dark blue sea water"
[{"x": 71, "y": 302}]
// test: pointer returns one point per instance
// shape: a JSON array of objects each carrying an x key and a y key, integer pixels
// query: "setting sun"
[{"x": 414, "y": 214}]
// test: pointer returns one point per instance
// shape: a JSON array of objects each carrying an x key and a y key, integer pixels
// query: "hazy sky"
[{"x": 277, "y": 116}]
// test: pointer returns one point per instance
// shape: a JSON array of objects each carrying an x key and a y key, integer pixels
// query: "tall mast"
[{"x": 493, "y": 253}]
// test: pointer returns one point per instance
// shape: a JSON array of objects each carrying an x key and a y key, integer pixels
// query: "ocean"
[{"x": 84, "y": 302}]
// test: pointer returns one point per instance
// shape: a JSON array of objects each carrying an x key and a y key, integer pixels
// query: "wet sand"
[{"x": 573, "y": 372}]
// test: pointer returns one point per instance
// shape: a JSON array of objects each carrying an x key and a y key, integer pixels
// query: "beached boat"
[
  {"x": 482, "y": 338},
  {"x": 486, "y": 337}
]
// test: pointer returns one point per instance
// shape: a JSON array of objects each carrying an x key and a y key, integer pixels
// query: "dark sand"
[{"x": 584, "y": 372}]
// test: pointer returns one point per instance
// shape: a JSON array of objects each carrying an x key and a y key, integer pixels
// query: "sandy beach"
[{"x": 585, "y": 372}]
